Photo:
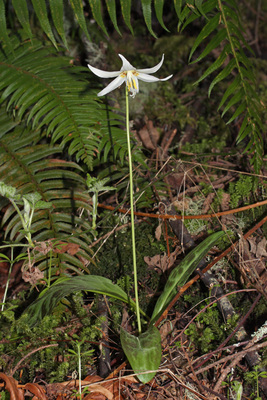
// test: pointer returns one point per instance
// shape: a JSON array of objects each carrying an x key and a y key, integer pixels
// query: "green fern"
[
  {"x": 223, "y": 23},
  {"x": 37, "y": 83},
  {"x": 222, "y": 30},
  {"x": 31, "y": 166}
]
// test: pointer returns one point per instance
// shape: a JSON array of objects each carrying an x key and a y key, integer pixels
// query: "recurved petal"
[
  {"x": 153, "y": 69},
  {"x": 103, "y": 74},
  {"x": 149, "y": 78},
  {"x": 113, "y": 85},
  {"x": 126, "y": 66}
]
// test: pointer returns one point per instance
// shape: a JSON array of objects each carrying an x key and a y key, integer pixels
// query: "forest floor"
[{"x": 209, "y": 351}]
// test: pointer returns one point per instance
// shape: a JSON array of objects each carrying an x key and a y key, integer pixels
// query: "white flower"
[{"x": 128, "y": 74}]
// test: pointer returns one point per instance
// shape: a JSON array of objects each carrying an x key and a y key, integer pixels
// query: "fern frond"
[
  {"x": 126, "y": 13},
  {"x": 223, "y": 29},
  {"x": 33, "y": 167},
  {"x": 42, "y": 15},
  {"x": 111, "y": 7},
  {"x": 116, "y": 148},
  {"x": 56, "y": 96},
  {"x": 147, "y": 12},
  {"x": 159, "y": 4}
]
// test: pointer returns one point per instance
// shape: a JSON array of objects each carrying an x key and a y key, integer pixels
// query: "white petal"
[
  {"x": 149, "y": 78},
  {"x": 126, "y": 66},
  {"x": 153, "y": 69},
  {"x": 103, "y": 74},
  {"x": 113, "y": 85}
]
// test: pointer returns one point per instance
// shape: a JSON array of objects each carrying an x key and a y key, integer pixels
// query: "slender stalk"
[
  {"x": 25, "y": 227},
  {"x": 8, "y": 278},
  {"x": 132, "y": 213},
  {"x": 79, "y": 369}
]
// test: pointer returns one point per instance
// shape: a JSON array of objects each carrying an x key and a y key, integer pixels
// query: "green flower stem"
[
  {"x": 8, "y": 278},
  {"x": 24, "y": 224},
  {"x": 132, "y": 213}
]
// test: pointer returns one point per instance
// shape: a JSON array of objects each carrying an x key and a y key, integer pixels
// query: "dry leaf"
[
  {"x": 182, "y": 205},
  {"x": 258, "y": 249},
  {"x": 207, "y": 203},
  {"x": 70, "y": 248},
  {"x": 161, "y": 262},
  {"x": 11, "y": 387},
  {"x": 261, "y": 248},
  {"x": 37, "y": 390},
  {"x": 32, "y": 275},
  {"x": 158, "y": 232},
  {"x": 149, "y": 136}
]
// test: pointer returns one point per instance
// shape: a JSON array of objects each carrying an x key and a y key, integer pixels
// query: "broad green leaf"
[
  {"x": 206, "y": 31},
  {"x": 143, "y": 352},
  {"x": 63, "y": 287},
  {"x": 111, "y": 7},
  {"x": 22, "y": 12},
  {"x": 126, "y": 13},
  {"x": 97, "y": 14},
  {"x": 182, "y": 272},
  {"x": 146, "y": 6},
  {"x": 57, "y": 11},
  {"x": 159, "y": 4},
  {"x": 41, "y": 12}
]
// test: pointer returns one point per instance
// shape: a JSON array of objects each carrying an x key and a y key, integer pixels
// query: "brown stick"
[{"x": 201, "y": 216}]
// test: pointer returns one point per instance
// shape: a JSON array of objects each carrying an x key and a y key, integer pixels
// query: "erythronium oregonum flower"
[{"x": 128, "y": 74}]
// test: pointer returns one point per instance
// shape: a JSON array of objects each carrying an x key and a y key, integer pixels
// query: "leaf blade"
[
  {"x": 143, "y": 352},
  {"x": 63, "y": 287},
  {"x": 182, "y": 272}
]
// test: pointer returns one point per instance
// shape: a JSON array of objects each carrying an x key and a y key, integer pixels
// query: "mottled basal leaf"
[
  {"x": 182, "y": 272},
  {"x": 143, "y": 352},
  {"x": 57, "y": 12},
  {"x": 147, "y": 12},
  {"x": 97, "y": 14},
  {"x": 111, "y": 7},
  {"x": 41, "y": 12},
  {"x": 49, "y": 298},
  {"x": 126, "y": 13},
  {"x": 21, "y": 10},
  {"x": 159, "y": 4}
]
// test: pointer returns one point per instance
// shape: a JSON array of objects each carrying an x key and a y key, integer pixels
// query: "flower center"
[{"x": 131, "y": 81}]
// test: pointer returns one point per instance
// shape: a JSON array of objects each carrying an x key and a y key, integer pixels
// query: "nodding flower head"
[{"x": 129, "y": 75}]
